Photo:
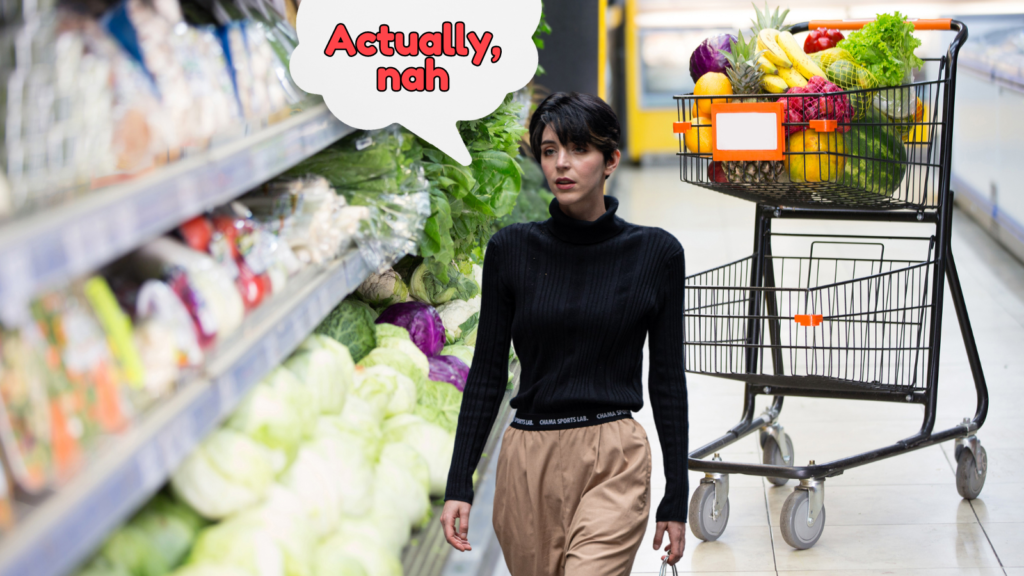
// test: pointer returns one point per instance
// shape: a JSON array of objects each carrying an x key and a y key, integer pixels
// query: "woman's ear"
[{"x": 612, "y": 163}]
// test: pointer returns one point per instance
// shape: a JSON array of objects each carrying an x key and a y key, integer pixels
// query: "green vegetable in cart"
[
  {"x": 383, "y": 289},
  {"x": 886, "y": 48},
  {"x": 351, "y": 323},
  {"x": 876, "y": 159},
  {"x": 225, "y": 474}
]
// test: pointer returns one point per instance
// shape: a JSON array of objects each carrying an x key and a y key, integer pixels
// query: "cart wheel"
[
  {"x": 968, "y": 482},
  {"x": 771, "y": 454},
  {"x": 702, "y": 504},
  {"x": 795, "y": 530}
]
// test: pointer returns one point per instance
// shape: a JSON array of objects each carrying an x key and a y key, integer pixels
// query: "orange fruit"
[
  {"x": 698, "y": 137},
  {"x": 691, "y": 113},
  {"x": 711, "y": 84},
  {"x": 809, "y": 167}
]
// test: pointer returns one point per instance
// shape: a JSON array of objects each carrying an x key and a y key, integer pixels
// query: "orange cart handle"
[{"x": 919, "y": 24}]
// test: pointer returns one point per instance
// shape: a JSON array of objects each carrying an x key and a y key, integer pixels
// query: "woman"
[{"x": 578, "y": 294}]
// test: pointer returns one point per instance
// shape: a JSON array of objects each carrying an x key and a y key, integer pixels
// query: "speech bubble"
[{"x": 422, "y": 64}]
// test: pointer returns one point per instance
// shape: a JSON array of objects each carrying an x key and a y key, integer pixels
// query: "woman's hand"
[
  {"x": 676, "y": 539},
  {"x": 453, "y": 509}
]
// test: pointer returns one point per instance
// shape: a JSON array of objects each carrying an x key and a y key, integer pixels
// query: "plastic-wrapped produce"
[{"x": 212, "y": 299}]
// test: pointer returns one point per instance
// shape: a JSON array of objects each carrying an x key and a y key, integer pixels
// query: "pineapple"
[
  {"x": 745, "y": 75},
  {"x": 767, "y": 19}
]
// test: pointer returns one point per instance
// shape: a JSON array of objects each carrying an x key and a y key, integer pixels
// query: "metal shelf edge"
[
  {"x": 74, "y": 521},
  {"x": 43, "y": 249}
]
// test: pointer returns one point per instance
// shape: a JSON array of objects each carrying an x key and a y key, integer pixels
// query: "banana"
[
  {"x": 772, "y": 51},
  {"x": 802, "y": 63},
  {"x": 774, "y": 84},
  {"x": 792, "y": 78},
  {"x": 766, "y": 66}
]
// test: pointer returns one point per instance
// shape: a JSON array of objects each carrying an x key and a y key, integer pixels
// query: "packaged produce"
[
  {"x": 421, "y": 320},
  {"x": 203, "y": 285},
  {"x": 351, "y": 323},
  {"x": 6, "y": 497},
  {"x": 37, "y": 445},
  {"x": 91, "y": 398},
  {"x": 160, "y": 315}
]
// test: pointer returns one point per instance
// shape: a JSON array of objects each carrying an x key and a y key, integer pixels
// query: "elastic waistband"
[{"x": 523, "y": 421}]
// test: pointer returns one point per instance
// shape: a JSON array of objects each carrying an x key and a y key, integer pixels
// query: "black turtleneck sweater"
[{"x": 578, "y": 299}]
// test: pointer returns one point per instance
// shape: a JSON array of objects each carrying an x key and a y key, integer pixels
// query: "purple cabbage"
[
  {"x": 708, "y": 57},
  {"x": 449, "y": 369},
  {"x": 421, "y": 320}
]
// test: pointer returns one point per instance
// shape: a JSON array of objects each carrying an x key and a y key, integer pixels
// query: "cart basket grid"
[
  {"x": 827, "y": 323},
  {"x": 880, "y": 150}
]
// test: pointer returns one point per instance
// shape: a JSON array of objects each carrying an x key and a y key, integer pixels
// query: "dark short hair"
[{"x": 576, "y": 119}]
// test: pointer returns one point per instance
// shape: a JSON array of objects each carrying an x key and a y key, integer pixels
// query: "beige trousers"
[{"x": 573, "y": 502}]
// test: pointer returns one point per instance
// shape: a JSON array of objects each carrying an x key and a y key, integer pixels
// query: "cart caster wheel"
[
  {"x": 771, "y": 454},
  {"x": 968, "y": 481},
  {"x": 702, "y": 506},
  {"x": 795, "y": 530}
]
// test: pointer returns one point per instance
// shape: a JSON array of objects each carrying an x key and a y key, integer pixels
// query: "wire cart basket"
[{"x": 835, "y": 316}]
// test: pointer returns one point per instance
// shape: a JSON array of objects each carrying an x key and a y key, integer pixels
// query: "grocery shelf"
[
  {"x": 428, "y": 554},
  {"x": 44, "y": 249},
  {"x": 69, "y": 525}
]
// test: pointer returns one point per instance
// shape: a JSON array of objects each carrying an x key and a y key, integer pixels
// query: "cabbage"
[
  {"x": 243, "y": 544},
  {"x": 397, "y": 360},
  {"x": 100, "y": 566},
  {"x": 459, "y": 317},
  {"x": 384, "y": 330},
  {"x": 332, "y": 478},
  {"x": 402, "y": 484},
  {"x": 336, "y": 554},
  {"x": 226, "y": 473},
  {"x": 426, "y": 287},
  {"x": 279, "y": 523},
  {"x": 170, "y": 526},
  {"x": 449, "y": 369},
  {"x": 406, "y": 347},
  {"x": 358, "y": 425},
  {"x": 344, "y": 368},
  {"x": 434, "y": 443},
  {"x": 383, "y": 289},
  {"x": 377, "y": 384},
  {"x": 385, "y": 524},
  {"x": 421, "y": 320},
  {"x": 464, "y": 353},
  {"x": 439, "y": 403},
  {"x": 708, "y": 56},
  {"x": 317, "y": 369},
  {"x": 130, "y": 550},
  {"x": 275, "y": 414},
  {"x": 351, "y": 323}
]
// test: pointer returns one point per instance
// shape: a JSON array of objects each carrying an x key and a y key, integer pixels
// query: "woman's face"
[{"x": 573, "y": 171}]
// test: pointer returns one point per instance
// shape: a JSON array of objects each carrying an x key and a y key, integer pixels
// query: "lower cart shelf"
[{"x": 62, "y": 531}]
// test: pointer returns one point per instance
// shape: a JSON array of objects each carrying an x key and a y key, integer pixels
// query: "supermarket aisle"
[{"x": 900, "y": 516}]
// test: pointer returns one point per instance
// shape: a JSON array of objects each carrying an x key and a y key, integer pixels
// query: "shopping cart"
[{"x": 836, "y": 316}]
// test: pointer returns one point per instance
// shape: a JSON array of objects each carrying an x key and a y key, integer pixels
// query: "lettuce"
[
  {"x": 439, "y": 403},
  {"x": 434, "y": 443},
  {"x": 885, "y": 47},
  {"x": 225, "y": 474}
]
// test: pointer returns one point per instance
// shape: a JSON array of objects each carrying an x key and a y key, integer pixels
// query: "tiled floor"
[{"x": 901, "y": 516}]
